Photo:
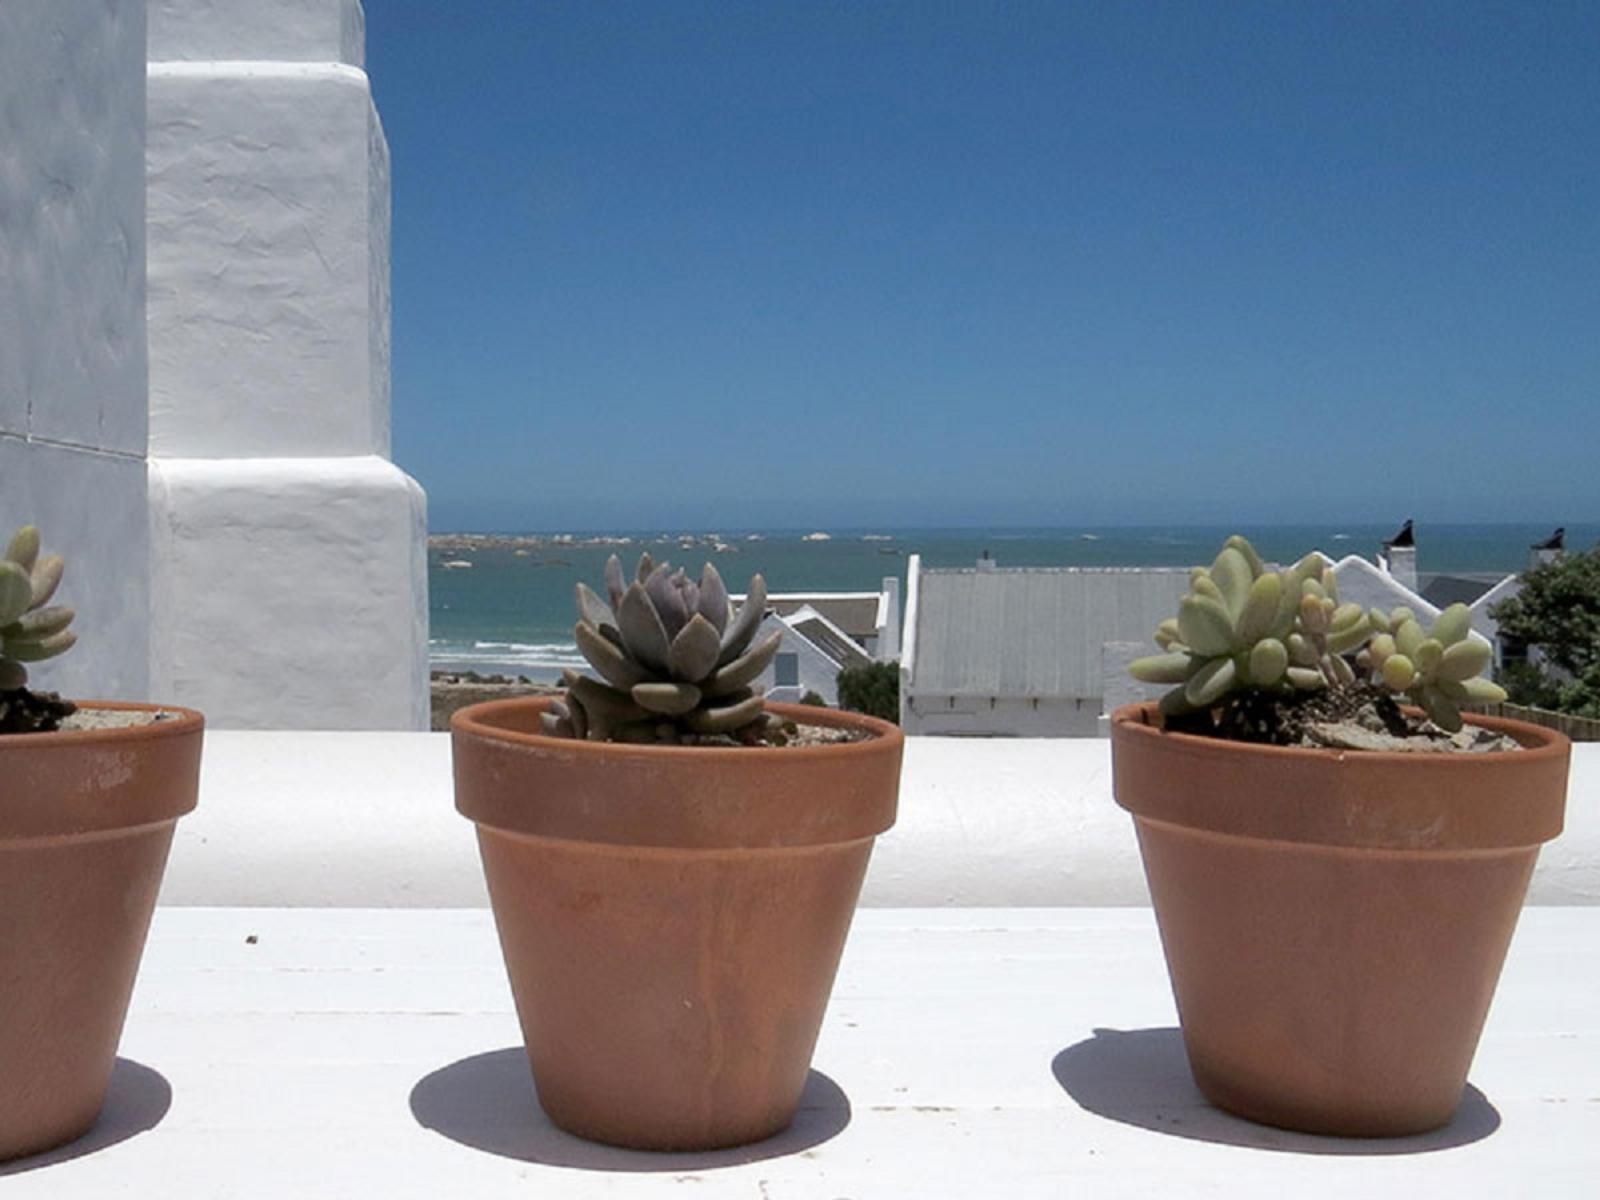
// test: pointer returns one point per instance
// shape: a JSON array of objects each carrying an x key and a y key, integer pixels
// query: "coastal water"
[{"x": 511, "y": 611}]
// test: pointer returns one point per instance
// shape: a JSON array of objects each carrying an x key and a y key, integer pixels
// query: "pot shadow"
[
  {"x": 136, "y": 1101},
  {"x": 488, "y": 1102},
  {"x": 1141, "y": 1077}
]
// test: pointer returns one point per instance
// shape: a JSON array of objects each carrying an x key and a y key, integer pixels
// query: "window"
[{"x": 786, "y": 670}]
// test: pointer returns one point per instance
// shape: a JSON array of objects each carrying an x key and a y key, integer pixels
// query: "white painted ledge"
[
  {"x": 291, "y": 819},
  {"x": 1008, "y": 1053}
]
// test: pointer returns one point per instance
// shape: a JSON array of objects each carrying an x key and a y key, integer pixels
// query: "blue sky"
[{"x": 770, "y": 264}]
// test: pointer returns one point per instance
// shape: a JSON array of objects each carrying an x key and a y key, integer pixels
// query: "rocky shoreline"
[{"x": 450, "y": 690}]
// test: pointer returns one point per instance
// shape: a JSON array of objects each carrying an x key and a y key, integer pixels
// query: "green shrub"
[
  {"x": 1558, "y": 611},
  {"x": 873, "y": 689}
]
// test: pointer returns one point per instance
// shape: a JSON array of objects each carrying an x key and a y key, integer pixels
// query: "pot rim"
[
  {"x": 64, "y": 785},
  {"x": 682, "y": 798},
  {"x": 1355, "y": 799},
  {"x": 477, "y": 720},
  {"x": 187, "y": 720},
  {"x": 1143, "y": 720}
]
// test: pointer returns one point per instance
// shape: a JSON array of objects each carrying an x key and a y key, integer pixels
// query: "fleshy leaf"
[
  {"x": 1269, "y": 659},
  {"x": 615, "y": 667},
  {"x": 24, "y": 547},
  {"x": 642, "y": 633},
  {"x": 725, "y": 720},
  {"x": 743, "y": 627},
  {"x": 16, "y": 592},
  {"x": 742, "y": 670},
  {"x": 593, "y": 609},
  {"x": 669, "y": 699},
  {"x": 1465, "y": 659},
  {"x": 1205, "y": 625},
  {"x": 694, "y": 651},
  {"x": 1211, "y": 682},
  {"x": 1161, "y": 668},
  {"x": 713, "y": 604}
]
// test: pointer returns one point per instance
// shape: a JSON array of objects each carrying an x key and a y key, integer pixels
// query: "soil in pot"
[
  {"x": 1335, "y": 922},
  {"x": 672, "y": 917}
]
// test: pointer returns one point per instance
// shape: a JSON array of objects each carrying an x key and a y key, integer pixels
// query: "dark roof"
[
  {"x": 1405, "y": 537},
  {"x": 841, "y": 649},
  {"x": 857, "y": 615},
  {"x": 1441, "y": 591},
  {"x": 1556, "y": 541}
]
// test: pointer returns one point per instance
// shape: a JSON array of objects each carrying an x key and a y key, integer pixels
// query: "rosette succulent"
[
  {"x": 675, "y": 661},
  {"x": 1245, "y": 628},
  {"x": 30, "y": 631}
]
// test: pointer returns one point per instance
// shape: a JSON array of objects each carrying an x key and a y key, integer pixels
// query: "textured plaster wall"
[
  {"x": 268, "y": 272},
  {"x": 276, "y": 30},
  {"x": 72, "y": 338},
  {"x": 292, "y": 584},
  {"x": 286, "y": 583}
]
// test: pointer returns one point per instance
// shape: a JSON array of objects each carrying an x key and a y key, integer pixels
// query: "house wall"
[
  {"x": 818, "y": 672},
  {"x": 971, "y": 716},
  {"x": 72, "y": 322},
  {"x": 292, "y": 582}
]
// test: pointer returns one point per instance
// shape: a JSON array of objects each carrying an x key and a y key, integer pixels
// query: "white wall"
[
  {"x": 974, "y": 716},
  {"x": 309, "y": 631},
  {"x": 275, "y": 30},
  {"x": 818, "y": 672},
  {"x": 72, "y": 339},
  {"x": 262, "y": 261},
  {"x": 292, "y": 585}
]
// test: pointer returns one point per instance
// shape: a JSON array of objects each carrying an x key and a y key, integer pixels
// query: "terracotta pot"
[
  {"x": 86, "y": 819},
  {"x": 1335, "y": 922},
  {"x": 671, "y": 917}
]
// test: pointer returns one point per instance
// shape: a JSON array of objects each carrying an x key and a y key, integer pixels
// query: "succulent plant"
[
  {"x": 29, "y": 631},
  {"x": 1439, "y": 669},
  {"x": 1243, "y": 627},
  {"x": 675, "y": 662}
]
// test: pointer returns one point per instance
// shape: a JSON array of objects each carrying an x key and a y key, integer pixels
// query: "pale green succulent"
[
  {"x": 30, "y": 632},
  {"x": 1438, "y": 669},
  {"x": 674, "y": 660},
  {"x": 1243, "y": 627}
]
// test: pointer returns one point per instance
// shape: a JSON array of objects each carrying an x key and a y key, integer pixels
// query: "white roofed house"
[
  {"x": 869, "y": 619},
  {"x": 1044, "y": 651},
  {"x": 825, "y": 632},
  {"x": 1024, "y": 651},
  {"x": 813, "y": 652}
]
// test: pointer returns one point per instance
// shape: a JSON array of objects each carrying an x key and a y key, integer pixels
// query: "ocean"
[{"x": 511, "y": 610}]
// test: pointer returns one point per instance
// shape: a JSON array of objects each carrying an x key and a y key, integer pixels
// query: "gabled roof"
[
  {"x": 827, "y": 637},
  {"x": 1365, "y": 583},
  {"x": 854, "y": 612},
  {"x": 1033, "y": 631}
]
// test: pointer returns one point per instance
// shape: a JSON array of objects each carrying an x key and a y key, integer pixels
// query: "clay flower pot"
[
  {"x": 671, "y": 917},
  {"x": 1334, "y": 922},
  {"x": 86, "y": 819}
]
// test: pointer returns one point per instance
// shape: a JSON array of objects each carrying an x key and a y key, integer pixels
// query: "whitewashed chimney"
[
  {"x": 1399, "y": 557},
  {"x": 290, "y": 586},
  {"x": 1551, "y": 549}
]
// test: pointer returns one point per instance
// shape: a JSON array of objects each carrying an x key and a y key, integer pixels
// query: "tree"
[
  {"x": 873, "y": 689},
  {"x": 1557, "y": 611}
]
